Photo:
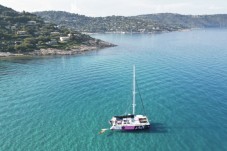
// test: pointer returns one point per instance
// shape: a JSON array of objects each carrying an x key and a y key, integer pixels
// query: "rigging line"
[{"x": 140, "y": 97}]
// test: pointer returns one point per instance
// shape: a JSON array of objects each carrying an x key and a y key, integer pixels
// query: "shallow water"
[{"x": 61, "y": 103}]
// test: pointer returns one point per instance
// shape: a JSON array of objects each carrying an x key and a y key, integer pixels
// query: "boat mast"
[{"x": 134, "y": 90}]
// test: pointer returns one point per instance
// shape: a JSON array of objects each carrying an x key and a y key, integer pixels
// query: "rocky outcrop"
[{"x": 88, "y": 46}]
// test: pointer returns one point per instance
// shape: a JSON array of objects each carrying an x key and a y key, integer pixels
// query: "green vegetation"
[
  {"x": 24, "y": 32},
  {"x": 134, "y": 24},
  {"x": 187, "y": 21},
  {"x": 105, "y": 24}
]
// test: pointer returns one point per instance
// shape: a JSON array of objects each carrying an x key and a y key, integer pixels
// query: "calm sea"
[{"x": 61, "y": 103}]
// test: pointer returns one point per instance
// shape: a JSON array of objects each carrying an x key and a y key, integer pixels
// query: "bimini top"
[{"x": 125, "y": 116}]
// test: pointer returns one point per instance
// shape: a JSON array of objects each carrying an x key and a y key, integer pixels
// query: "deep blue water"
[{"x": 61, "y": 103}]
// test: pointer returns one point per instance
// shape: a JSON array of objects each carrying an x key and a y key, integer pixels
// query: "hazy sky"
[{"x": 121, "y": 7}]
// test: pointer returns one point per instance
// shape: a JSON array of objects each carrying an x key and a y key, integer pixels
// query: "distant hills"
[
  {"x": 106, "y": 24},
  {"x": 138, "y": 24},
  {"x": 22, "y": 32},
  {"x": 25, "y": 32},
  {"x": 188, "y": 21}
]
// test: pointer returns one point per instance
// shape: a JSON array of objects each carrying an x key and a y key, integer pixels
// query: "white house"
[
  {"x": 47, "y": 22},
  {"x": 31, "y": 22},
  {"x": 21, "y": 32},
  {"x": 13, "y": 27},
  {"x": 63, "y": 39},
  {"x": 55, "y": 33}
]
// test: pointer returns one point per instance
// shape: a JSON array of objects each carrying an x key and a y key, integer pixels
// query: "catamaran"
[{"x": 132, "y": 121}]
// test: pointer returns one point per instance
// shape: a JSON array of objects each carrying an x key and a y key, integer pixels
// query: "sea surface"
[{"x": 61, "y": 103}]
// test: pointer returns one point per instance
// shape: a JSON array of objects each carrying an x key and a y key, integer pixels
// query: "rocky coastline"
[{"x": 51, "y": 51}]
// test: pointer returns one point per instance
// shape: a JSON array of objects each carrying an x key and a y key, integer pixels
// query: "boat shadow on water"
[{"x": 158, "y": 128}]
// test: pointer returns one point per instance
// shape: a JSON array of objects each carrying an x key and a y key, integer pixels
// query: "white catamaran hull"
[
  {"x": 129, "y": 122},
  {"x": 130, "y": 128}
]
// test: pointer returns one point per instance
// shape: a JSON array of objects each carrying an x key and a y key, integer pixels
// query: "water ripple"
[{"x": 61, "y": 103}]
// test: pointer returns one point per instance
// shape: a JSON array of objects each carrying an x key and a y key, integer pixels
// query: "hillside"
[
  {"x": 22, "y": 32},
  {"x": 189, "y": 21},
  {"x": 137, "y": 24},
  {"x": 105, "y": 24}
]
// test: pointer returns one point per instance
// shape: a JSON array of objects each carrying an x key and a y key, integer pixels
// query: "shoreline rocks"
[{"x": 52, "y": 51}]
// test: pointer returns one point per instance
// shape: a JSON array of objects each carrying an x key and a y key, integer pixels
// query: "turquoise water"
[{"x": 61, "y": 103}]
